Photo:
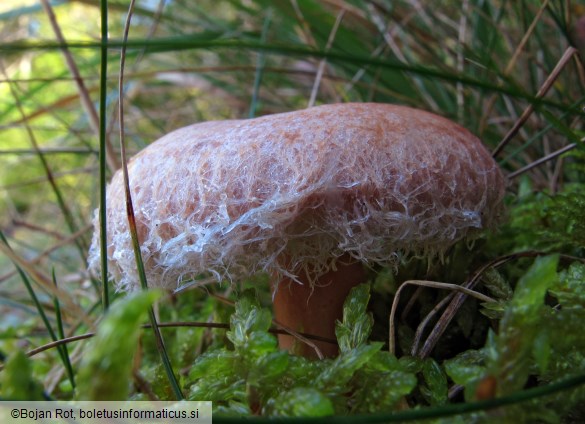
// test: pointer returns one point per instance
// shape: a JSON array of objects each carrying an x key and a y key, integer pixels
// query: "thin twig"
[
  {"x": 299, "y": 336},
  {"x": 323, "y": 62},
  {"x": 423, "y": 324},
  {"x": 141, "y": 52},
  {"x": 525, "y": 38},
  {"x": 82, "y": 89},
  {"x": 543, "y": 160},
  {"x": 278, "y": 329},
  {"x": 389, "y": 39},
  {"x": 309, "y": 39},
  {"x": 513, "y": 60},
  {"x": 282, "y": 329},
  {"x": 459, "y": 298},
  {"x": 541, "y": 92},
  {"x": 426, "y": 283},
  {"x": 38, "y": 228}
]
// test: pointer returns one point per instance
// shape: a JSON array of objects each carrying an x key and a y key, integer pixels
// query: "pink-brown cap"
[{"x": 292, "y": 192}]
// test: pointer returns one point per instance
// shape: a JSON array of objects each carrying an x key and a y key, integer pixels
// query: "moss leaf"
[
  {"x": 303, "y": 402},
  {"x": 104, "y": 373},
  {"x": 17, "y": 382},
  {"x": 357, "y": 322}
]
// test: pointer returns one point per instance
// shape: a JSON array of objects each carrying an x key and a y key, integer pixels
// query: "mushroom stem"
[{"x": 313, "y": 309}]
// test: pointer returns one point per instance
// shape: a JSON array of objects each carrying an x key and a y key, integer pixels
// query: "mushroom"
[{"x": 309, "y": 197}]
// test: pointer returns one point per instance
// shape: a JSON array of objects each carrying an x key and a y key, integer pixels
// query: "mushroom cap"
[{"x": 292, "y": 192}]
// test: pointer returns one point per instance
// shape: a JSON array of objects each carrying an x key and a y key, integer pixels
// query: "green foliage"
[
  {"x": 500, "y": 290},
  {"x": 252, "y": 376},
  {"x": 466, "y": 368},
  {"x": 540, "y": 337},
  {"x": 435, "y": 383},
  {"x": 255, "y": 373},
  {"x": 104, "y": 373},
  {"x": 565, "y": 218},
  {"x": 357, "y": 323},
  {"x": 302, "y": 402},
  {"x": 17, "y": 382},
  {"x": 539, "y": 221},
  {"x": 520, "y": 337}
]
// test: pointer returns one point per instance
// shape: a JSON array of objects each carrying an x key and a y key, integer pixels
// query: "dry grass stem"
[
  {"x": 569, "y": 53},
  {"x": 425, "y": 283},
  {"x": 323, "y": 62},
  {"x": 86, "y": 101}
]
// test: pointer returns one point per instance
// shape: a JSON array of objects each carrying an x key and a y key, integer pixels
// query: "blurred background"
[{"x": 480, "y": 63}]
